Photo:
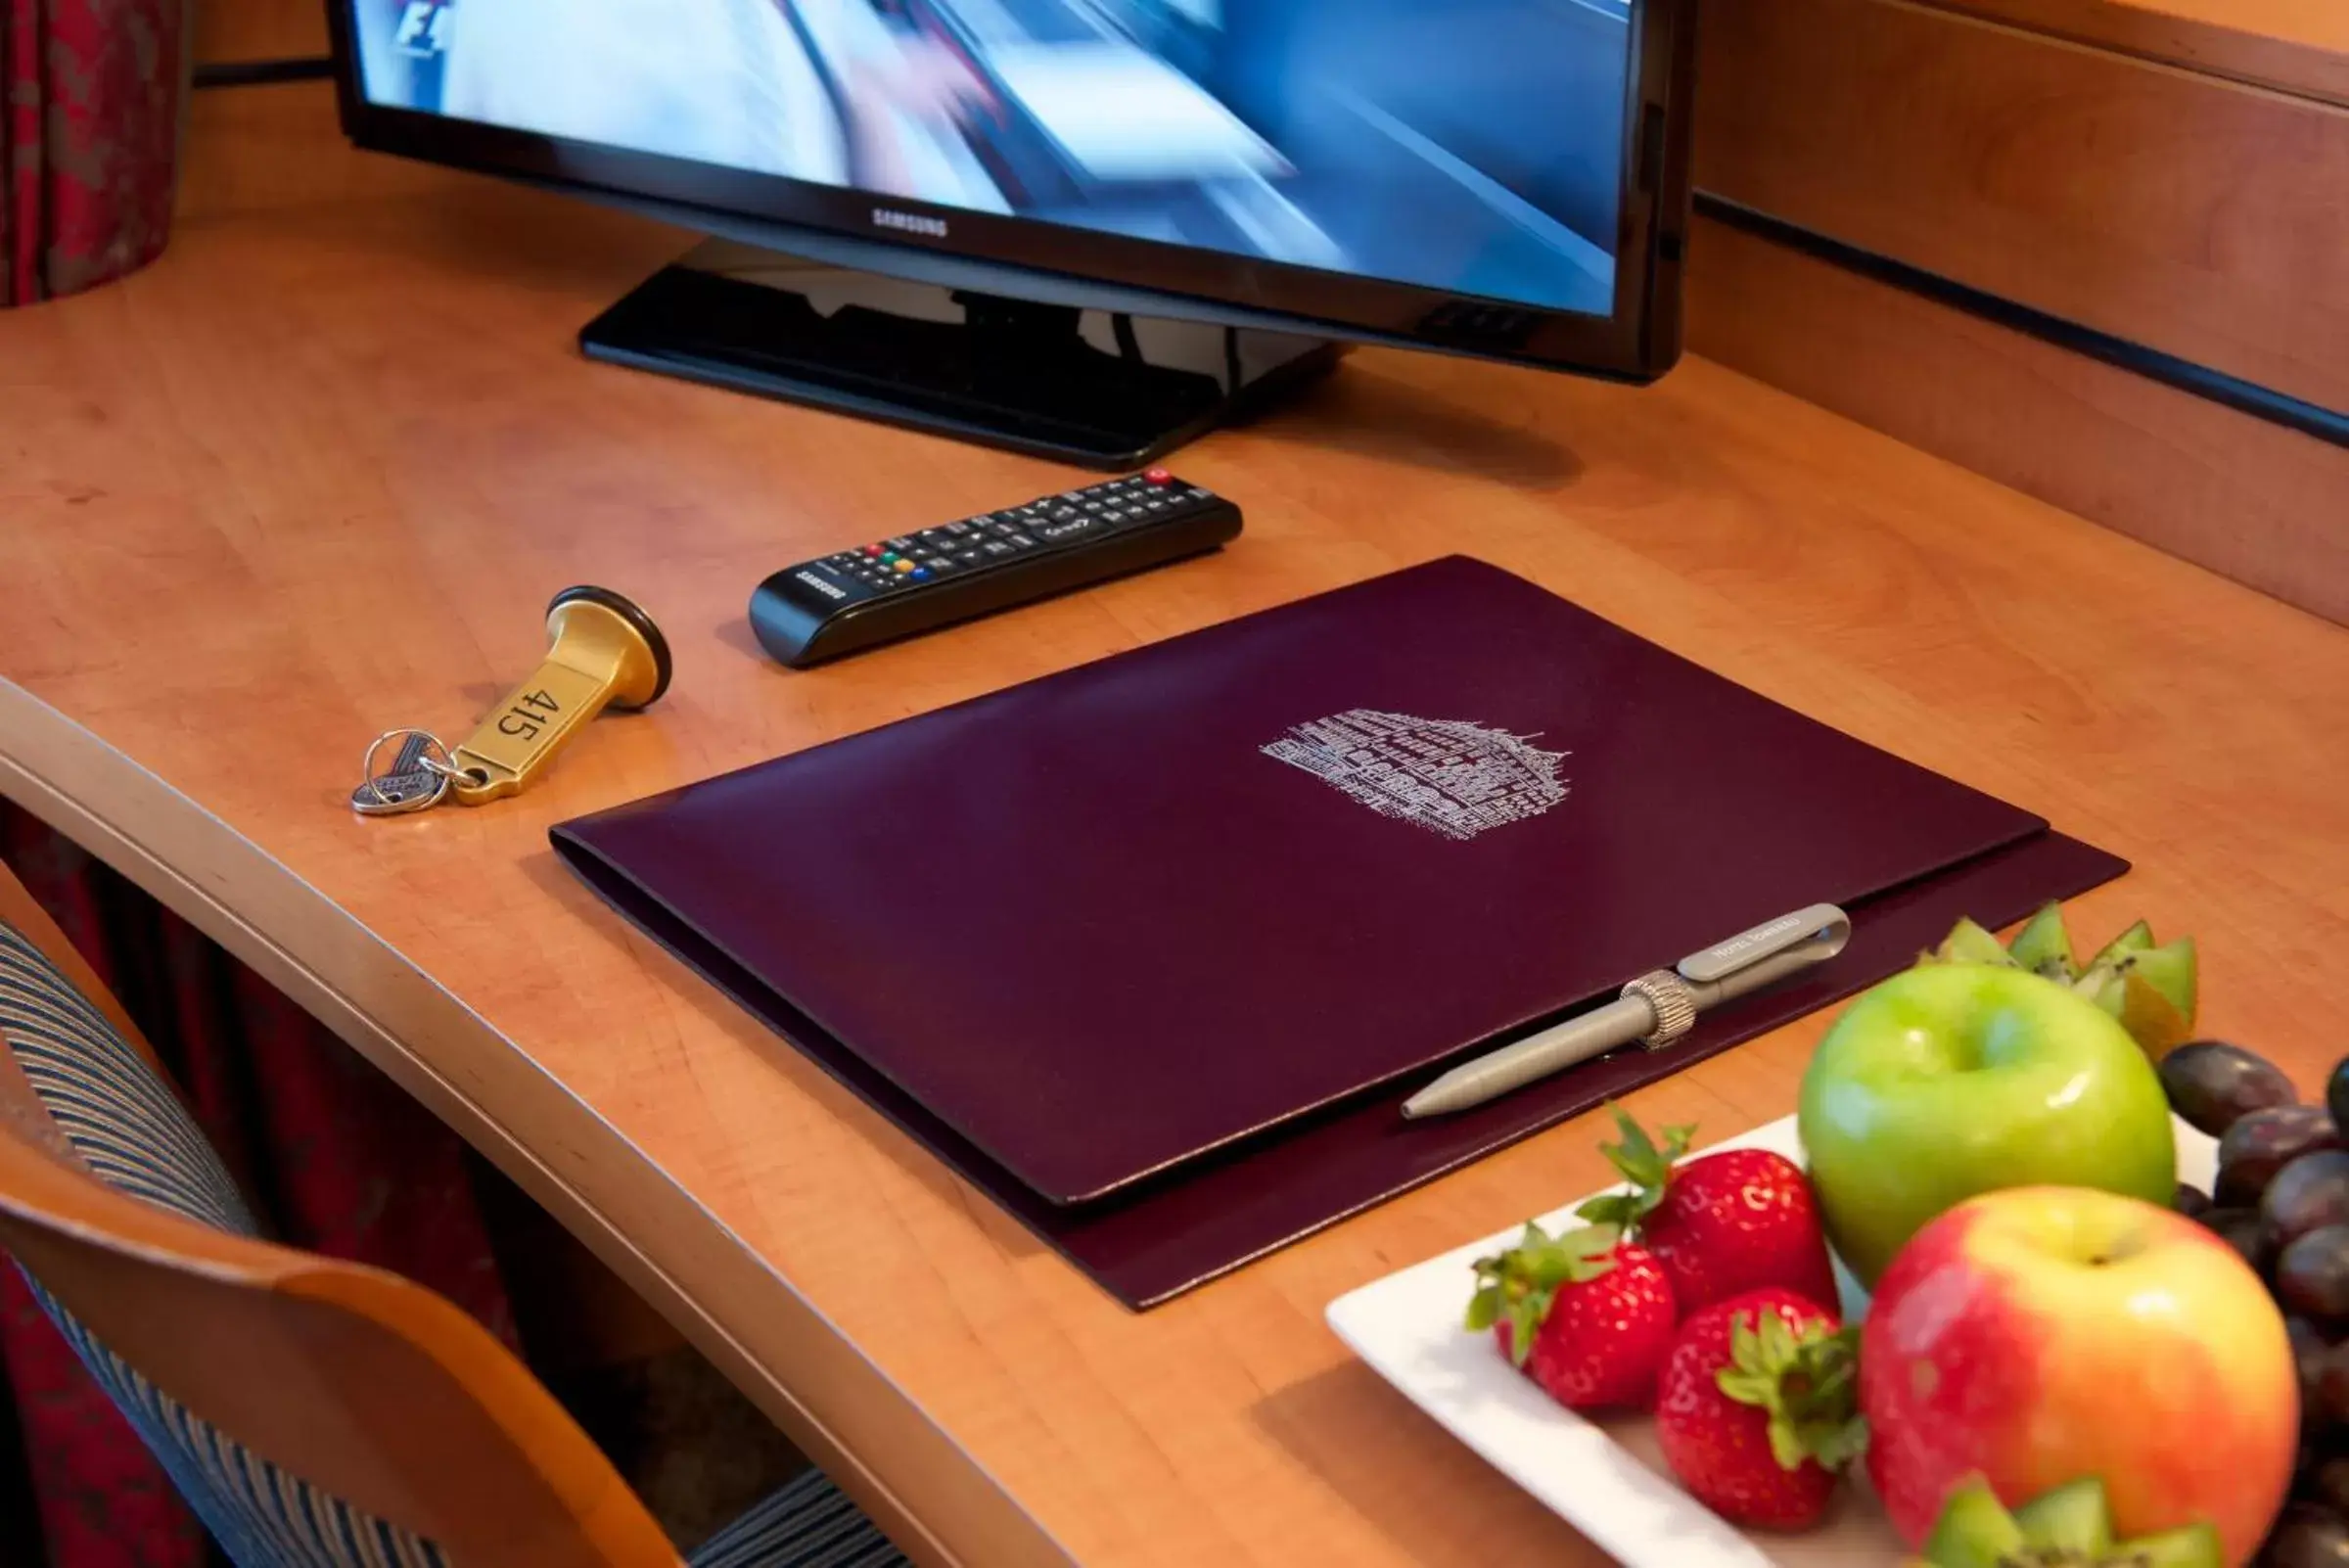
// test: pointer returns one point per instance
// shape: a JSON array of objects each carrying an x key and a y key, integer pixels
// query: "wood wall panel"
[
  {"x": 259, "y": 29},
  {"x": 2299, "y": 46},
  {"x": 2245, "y": 497},
  {"x": 2189, "y": 213}
]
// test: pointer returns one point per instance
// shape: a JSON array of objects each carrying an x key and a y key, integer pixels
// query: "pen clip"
[{"x": 1817, "y": 932}]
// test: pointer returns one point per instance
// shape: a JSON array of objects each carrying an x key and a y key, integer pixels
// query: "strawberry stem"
[
  {"x": 1645, "y": 1165},
  {"x": 1808, "y": 1380},
  {"x": 1518, "y": 1285}
]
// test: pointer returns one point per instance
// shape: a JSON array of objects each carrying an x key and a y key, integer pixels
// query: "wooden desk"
[{"x": 317, "y": 474}]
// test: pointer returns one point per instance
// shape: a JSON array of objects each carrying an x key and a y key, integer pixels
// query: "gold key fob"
[{"x": 603, "y": 652}]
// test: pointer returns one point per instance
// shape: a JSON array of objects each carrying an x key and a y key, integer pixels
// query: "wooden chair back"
[{"x": 368, "y": 1387}]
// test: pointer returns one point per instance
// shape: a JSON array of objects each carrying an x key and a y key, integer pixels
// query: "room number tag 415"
[{"x": 602, "y": 652}]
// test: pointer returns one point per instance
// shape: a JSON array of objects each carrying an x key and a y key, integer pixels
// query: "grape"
[
  {"x": 2307, "y": 1538},
  {"x": 2242, "y": 1229},
  {"x": 2329, "y": 1403},
  {"x": 2311, "y": 1191},
  {"x": 2213, "y": 1084},
  {"x": 2311, "y": 1351},
  {"x": 2337, "y": 1090},
  {"x": 2328, "y": 1484},
  {"x": 2263, "y": 1142},
  {"x": 2312, "y": 1275},
  {"x": 2190, "y": 1200}
]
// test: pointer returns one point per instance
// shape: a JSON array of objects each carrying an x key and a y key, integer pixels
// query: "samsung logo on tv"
[{"x": 909, "y": 222}]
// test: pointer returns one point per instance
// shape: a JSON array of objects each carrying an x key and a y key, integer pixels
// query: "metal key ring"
[
  {"x": 451, "y": 770},
  {"x": 367, "y": 771}
]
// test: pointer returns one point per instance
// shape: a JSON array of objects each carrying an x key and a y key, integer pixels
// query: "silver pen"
[{"x": 1655, "y": 1009}]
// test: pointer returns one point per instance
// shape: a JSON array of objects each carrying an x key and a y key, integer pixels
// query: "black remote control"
[{"x": 876, "y": 593}]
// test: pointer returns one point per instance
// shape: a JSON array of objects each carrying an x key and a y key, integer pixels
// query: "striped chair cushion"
[
  {"x": 130, "y": 1128},
  {"x": 807, "y": 1524}
]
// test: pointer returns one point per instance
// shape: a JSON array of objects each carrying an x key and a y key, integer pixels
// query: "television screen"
[{"x": 1472, "y": 147}]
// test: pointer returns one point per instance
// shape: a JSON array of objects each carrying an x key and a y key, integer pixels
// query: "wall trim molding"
[{"x": 2233, "y": 392}]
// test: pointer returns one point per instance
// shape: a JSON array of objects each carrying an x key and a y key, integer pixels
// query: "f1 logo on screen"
[{"x": 424, "y": 29}]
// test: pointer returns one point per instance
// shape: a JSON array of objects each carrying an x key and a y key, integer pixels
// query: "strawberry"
[
  {"x": 1757, "y": 1407},
  {"x": 1720, "y": 1225},
  {"x": 1584, "y": 1314}
]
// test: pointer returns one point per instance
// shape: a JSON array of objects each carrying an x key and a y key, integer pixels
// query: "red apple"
[{"x": 2039, "y": 1334}]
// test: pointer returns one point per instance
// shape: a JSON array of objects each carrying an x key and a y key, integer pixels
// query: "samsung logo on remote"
[
  {"x": 821, "y": 585},
  {"x": 910, "y": 223}
]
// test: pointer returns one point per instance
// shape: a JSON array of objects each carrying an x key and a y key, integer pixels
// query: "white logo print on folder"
[{"x": 1447, "y": 775}]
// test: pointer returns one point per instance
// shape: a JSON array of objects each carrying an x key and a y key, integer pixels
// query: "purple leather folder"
[{"x": 1152, "y": 950}]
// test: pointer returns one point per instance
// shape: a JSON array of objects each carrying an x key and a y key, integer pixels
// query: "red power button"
[{"x": 1158, "y": 476}]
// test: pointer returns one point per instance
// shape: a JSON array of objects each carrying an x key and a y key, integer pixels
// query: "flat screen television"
[{"x": 1092, "y": 228}]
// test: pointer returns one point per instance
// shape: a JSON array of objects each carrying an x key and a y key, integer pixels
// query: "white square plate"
[{"x": 1604, "y": 1477}]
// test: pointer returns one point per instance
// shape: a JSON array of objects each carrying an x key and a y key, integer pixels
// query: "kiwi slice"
[
  {"x": 2044, "y": 944},
  {"x": 2195, "y": 1546},
  {"x": 2070, "y": 1527},
  {"x": 1969, "y": 943},
  {"x": 2073, "y": 1518},
  {"x": 2137, "y": 938},
  {"x": 1974, "y": 1530},
  {"x": 2103, "y": 984},
  {"x": 2169, "y": 969}
]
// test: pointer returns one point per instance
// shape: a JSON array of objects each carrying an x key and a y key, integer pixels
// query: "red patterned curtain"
[
  {"x": 336, "y": 1157},
  {"x": 90, "y": 95}
]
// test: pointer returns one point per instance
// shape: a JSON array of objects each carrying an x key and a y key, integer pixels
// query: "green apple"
[{"x": 1952, "y": 1080}]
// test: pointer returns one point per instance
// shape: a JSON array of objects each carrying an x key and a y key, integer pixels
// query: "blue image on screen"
[{"x": 1469, "y": 146}]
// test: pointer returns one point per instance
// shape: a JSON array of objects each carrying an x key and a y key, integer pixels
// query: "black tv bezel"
[{"x": 1637, "y": 342}]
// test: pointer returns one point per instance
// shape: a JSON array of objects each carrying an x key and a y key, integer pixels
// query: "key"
[
  {"x": 604, "y": 652},
  {"x": 407, "y": 785}
]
